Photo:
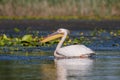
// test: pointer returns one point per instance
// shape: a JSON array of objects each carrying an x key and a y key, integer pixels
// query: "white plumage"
[{"x": 74, "y": 50}]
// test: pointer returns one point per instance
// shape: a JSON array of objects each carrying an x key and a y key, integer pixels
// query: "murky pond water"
[{"x": 105, "y": 66}]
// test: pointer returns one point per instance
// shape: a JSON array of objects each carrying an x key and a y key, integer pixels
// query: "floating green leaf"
[
  {"x": 27, "y": 38},
  {"x": 16, "y": 30},
  {"x": 4, "y": 37},
  {"x": 2, "y": 43}
]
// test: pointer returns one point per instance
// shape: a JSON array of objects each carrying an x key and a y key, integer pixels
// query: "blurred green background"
[{"x": 90, "y": 9}]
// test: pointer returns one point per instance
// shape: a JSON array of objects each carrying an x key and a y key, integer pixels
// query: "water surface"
[
  {"x": 38, "y": 63},
  {"x": 105, "y": 66}
]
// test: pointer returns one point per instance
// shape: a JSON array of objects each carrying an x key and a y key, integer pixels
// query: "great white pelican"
[{"x": 72, "y": 51}]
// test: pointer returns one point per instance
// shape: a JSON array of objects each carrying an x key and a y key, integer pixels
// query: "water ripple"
[{"x": 17, "y": 57}]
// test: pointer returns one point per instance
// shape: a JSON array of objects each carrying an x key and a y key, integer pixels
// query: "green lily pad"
[
  {"x": 4, "y": 37},
  {"x": 27, "y": 38},
  {"x": 16, "y": 30},
  {"x": 2, "y": 43}
]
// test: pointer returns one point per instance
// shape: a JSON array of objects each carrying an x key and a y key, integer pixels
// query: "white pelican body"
[{"x": 73, "y": 51}]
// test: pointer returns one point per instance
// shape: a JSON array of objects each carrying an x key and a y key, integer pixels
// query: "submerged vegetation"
[{"x": 60, "y": 9}]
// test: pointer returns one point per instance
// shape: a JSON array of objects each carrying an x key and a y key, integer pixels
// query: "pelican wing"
[{"x": 74, "y": 50}]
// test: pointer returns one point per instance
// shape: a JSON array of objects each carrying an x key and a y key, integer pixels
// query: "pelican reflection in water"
[
  {"x": 74, "y": 68},
  {"x": 72, "y": 51}
]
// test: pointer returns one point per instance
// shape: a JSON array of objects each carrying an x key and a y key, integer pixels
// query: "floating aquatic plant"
[
  {"x": 27, "y": 38},
  {"x": 34, "y": 39}
]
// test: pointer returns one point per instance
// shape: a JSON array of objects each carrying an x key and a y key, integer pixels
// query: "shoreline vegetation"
[{"x": 60, "y": 9}]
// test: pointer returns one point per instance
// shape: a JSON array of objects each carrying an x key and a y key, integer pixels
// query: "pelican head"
[{"x": 58, "y": 34}]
